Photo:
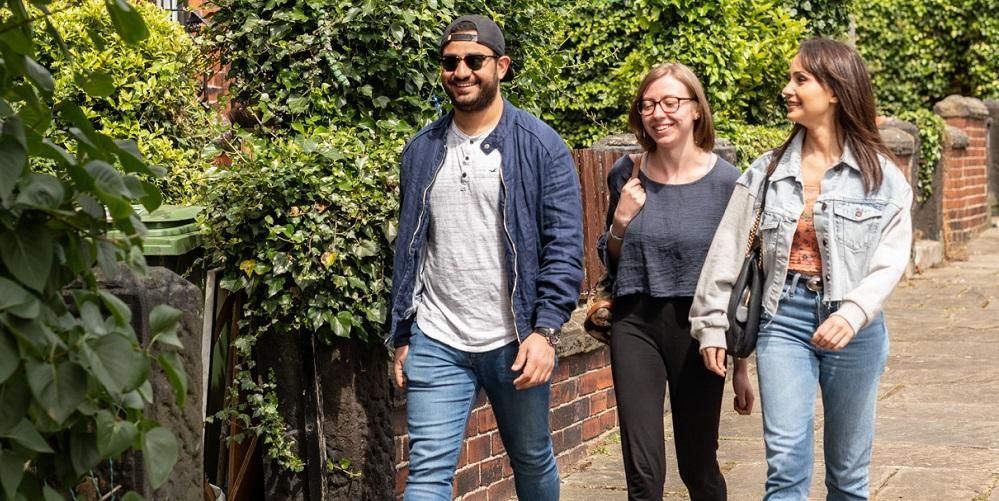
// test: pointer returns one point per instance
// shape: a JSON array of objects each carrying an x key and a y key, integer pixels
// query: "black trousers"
[{"x": 650, "y": 346}]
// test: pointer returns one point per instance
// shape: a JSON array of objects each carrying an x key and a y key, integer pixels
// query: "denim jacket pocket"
[
  {"x": 856, "y": 224},
  {"x": 770, "y": 230}
]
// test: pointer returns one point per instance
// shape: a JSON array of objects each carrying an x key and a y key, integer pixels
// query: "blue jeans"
[
  {"x": 441, "y": 387},
  {"x": 790, "y": 368}
]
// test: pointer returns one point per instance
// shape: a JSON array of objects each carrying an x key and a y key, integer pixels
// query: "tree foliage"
[
  {"x": 739, "y": 50},
  {"x": 298, "y": 64},
  {"x": 73, "y": 376},
  {"x": 921, "y": 51},
  {"x": 147, "y": 91}
]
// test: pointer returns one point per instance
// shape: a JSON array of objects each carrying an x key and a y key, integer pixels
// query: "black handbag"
[{"x": 746, "y": 301}]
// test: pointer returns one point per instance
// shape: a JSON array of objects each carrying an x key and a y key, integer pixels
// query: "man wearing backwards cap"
[{"x": 488, "y": 264}]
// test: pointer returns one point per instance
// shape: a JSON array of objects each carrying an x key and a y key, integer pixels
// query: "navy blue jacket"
[{"x": 542, "y": 218}]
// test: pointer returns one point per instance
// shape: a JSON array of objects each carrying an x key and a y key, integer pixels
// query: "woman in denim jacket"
[{"x": 837, "y": 235}]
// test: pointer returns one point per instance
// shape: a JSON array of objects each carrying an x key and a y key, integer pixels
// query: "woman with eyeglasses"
[
  {"x": 836, "y": 232},
  {"x": 665, "y": 205}
]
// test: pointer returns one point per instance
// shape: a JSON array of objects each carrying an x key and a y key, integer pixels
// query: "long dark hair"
[{"x": 841, "y": 69}]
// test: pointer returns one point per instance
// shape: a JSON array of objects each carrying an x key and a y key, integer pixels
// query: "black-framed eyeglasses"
[
  {"x": 669, "y": 104},
  {"x": 473, "y": 61}
]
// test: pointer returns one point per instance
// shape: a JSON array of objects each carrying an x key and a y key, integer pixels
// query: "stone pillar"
[
  {"x": 336, "y": 400},
  {"x": 903, "y": 146},
  {"x": 142, "y": 294},
  {"x": 927, "y": 214},
  {"x": 902, "y": 138},
  {"x": 993, "y": 154},
  {"x": 965, "y": 173}
]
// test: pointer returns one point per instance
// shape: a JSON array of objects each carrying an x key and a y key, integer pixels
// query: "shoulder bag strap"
[
  {"x": 636, "y": 166},
  {"x": 754, "y": 233}
]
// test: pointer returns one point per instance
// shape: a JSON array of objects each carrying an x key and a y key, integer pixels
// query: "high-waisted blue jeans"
[
  {"x": 790, "y": 369},
  {"x": 441, "y": 387}
]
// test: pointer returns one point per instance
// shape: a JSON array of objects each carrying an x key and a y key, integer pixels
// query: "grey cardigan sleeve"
[{"x": 708, "y": 319}]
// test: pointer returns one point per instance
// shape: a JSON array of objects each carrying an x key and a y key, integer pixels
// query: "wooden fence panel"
[{"x": 593, "y": 166}]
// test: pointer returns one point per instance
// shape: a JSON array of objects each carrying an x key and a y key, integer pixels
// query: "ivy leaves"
[
  {"x": 70, "y": 360},
  {"x": 301, "y": 229},
  {"x": 738, "y": 49}
]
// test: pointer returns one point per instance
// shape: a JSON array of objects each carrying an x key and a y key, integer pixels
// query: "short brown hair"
[{"x": 704, "y": 127}]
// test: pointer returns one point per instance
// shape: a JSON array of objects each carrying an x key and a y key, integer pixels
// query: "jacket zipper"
[
  {"x": 513, "y": 246},
  {"x": 419, "y": 221}
]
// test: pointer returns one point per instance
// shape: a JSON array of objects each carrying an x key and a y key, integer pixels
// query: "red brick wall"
[
  {"x": 965, "y": 185},
  {"x": 216, "y": 84},
  {"x": 583, "y": 411}
]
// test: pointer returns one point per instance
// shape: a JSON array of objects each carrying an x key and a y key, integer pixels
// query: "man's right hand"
[{"x": 400, "y": 358}]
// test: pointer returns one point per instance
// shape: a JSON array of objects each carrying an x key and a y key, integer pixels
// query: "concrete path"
[{"x": 937, "y": 432}]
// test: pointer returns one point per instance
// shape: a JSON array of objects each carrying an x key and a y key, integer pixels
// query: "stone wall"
[
  {"x": 993, "y": 154},
  {"x": 162, "y": 286},
  {"x": 964, "y": 202}
]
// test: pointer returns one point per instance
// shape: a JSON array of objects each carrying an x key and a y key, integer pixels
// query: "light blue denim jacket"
[{"x": 865, "y": 240}]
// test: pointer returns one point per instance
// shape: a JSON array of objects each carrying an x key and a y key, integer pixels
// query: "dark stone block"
[
  {"x": 142, "y": 294},
  {"x": 338, "y": 402}
]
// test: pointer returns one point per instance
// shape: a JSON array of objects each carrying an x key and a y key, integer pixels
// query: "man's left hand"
[{"x": 537, "y": 359}]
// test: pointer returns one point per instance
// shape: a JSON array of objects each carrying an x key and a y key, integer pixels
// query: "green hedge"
[
  {"x": 300, "y": 64},
  {"x": 147, "y": 91},
  {"x": 825, "y": 18},
  {"x": 920, "y": 51},
  {"x": 740, "y": 49},
  {"x": 751, "y": 141}
]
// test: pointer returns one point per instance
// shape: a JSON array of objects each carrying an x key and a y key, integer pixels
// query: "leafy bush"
[
  {"x": 739, "y": 49},
  {"x": 751, "y": 141},
  {"x": 147, "y": 91},
  {"x": 73, "y": 376},
  {"x": 921, "y": 51},
  {"x": 303, "y": 227},
  {"x": 301, "y": 64},
  {"x": 304, "y": 231},
  {"x": 826, "y": 18}
]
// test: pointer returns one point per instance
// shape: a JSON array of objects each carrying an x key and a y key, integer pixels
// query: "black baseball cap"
[{"x": 486, "y": 33}]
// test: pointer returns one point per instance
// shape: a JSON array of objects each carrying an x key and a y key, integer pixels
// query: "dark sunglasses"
[{"x": 473, "y": 61}]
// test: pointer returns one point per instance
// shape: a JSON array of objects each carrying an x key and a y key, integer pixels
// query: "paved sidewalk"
[{"x": 937, "y": 432}]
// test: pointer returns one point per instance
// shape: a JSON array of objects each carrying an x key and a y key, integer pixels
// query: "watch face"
[{"x": 552, "y": 335}]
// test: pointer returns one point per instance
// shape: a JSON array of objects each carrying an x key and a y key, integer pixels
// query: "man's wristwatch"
[{"x": 553, "y": 336}]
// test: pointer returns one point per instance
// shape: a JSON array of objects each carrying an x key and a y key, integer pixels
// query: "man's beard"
[{"x": 487, "y": 94}]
